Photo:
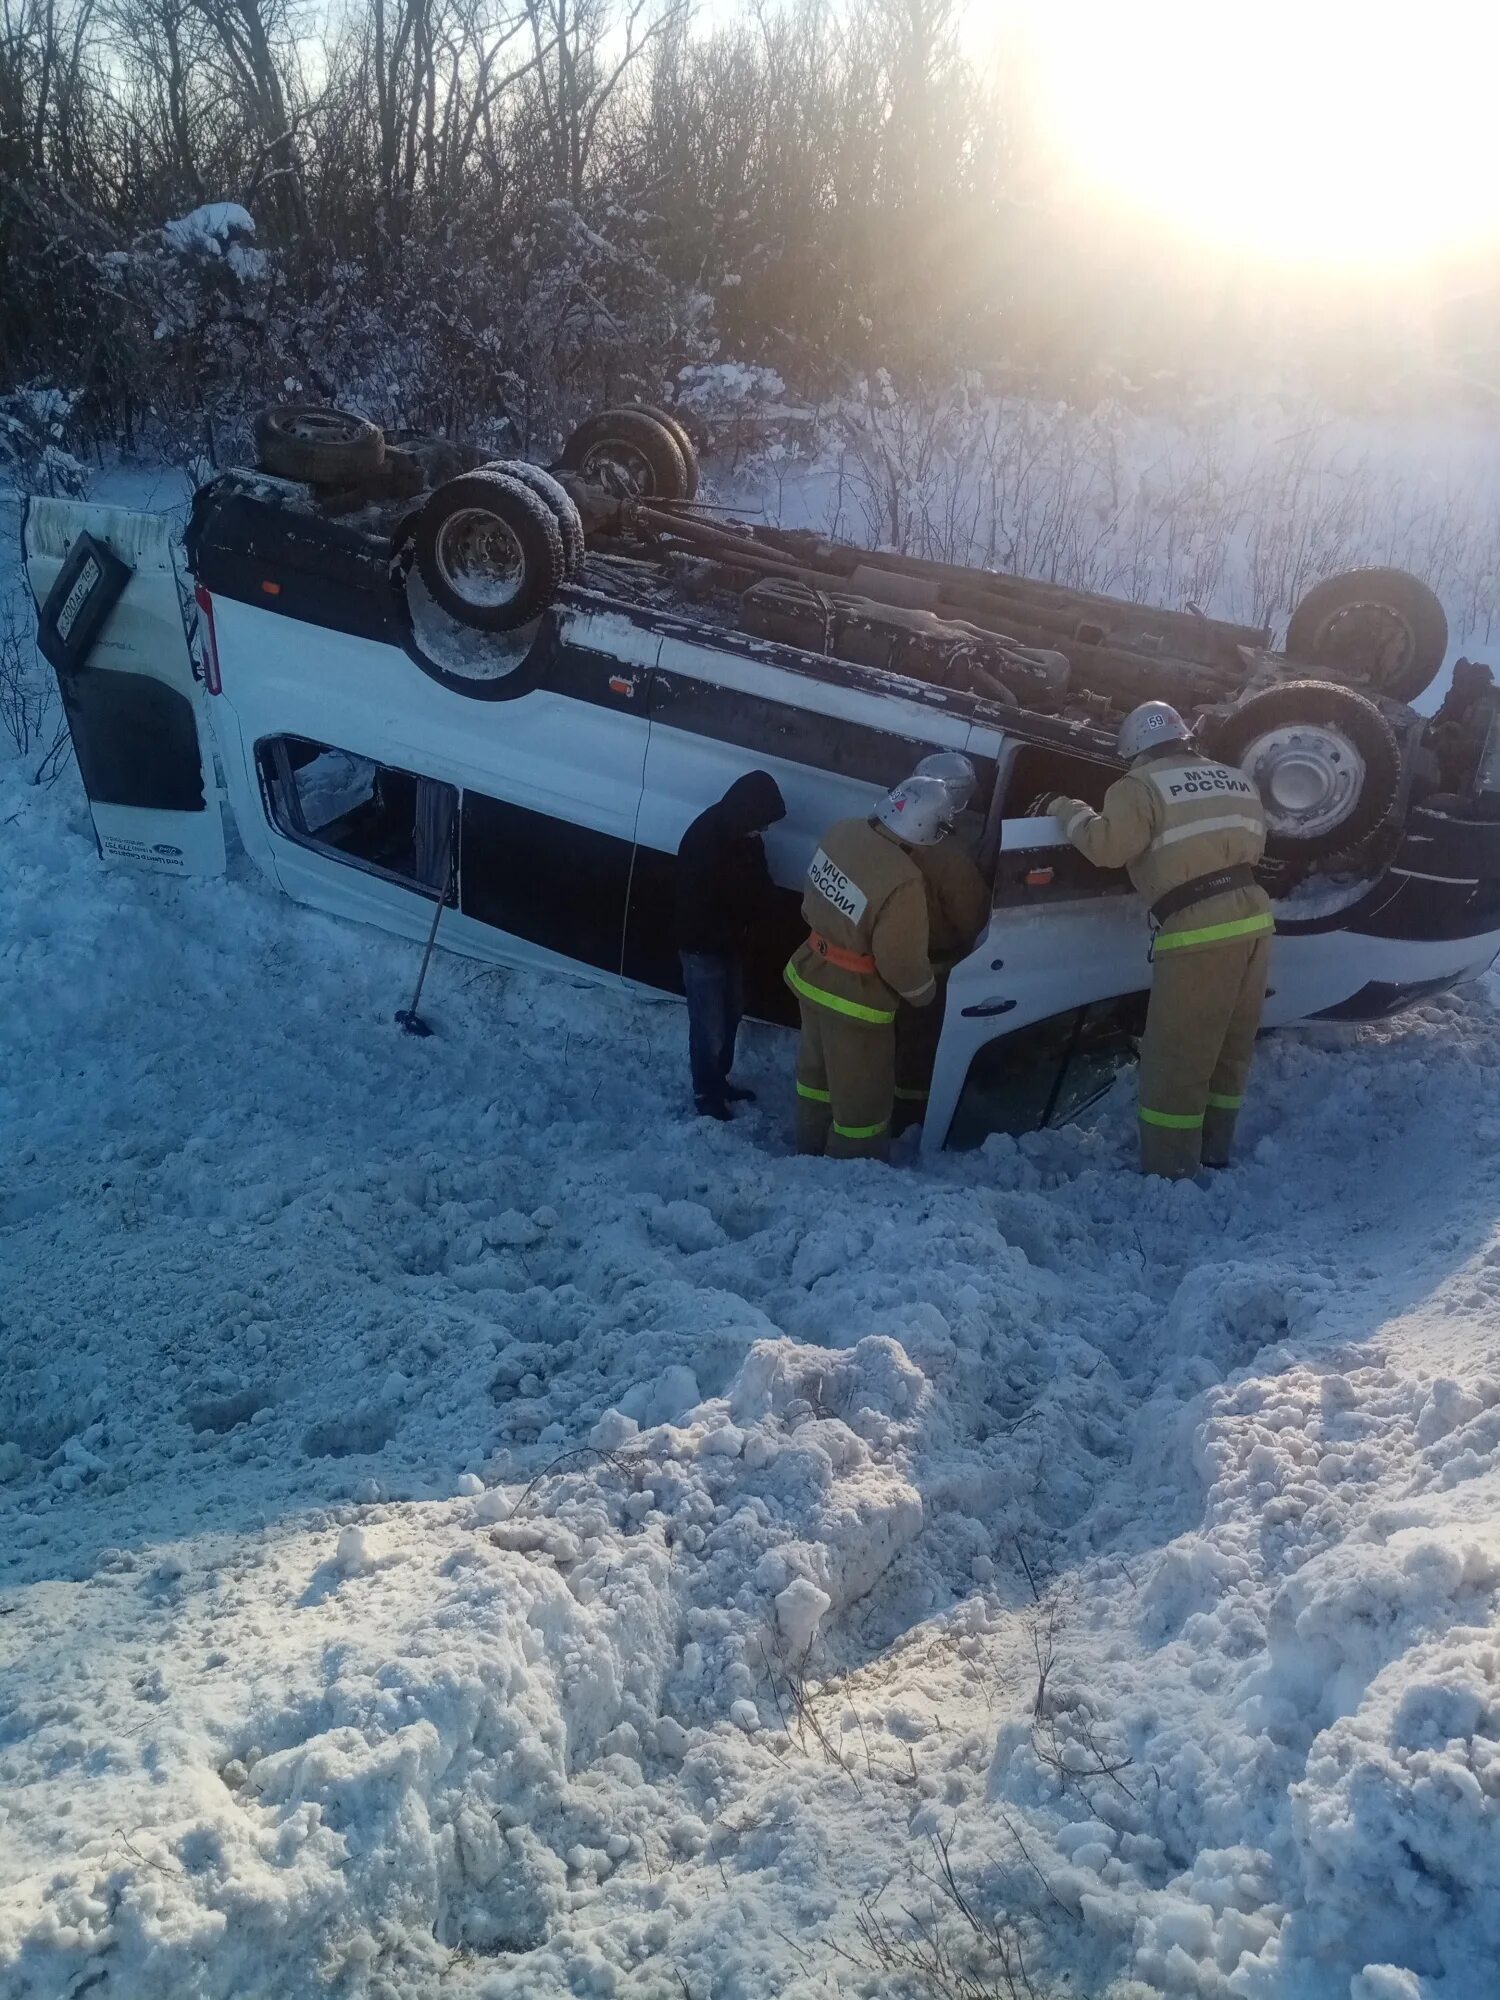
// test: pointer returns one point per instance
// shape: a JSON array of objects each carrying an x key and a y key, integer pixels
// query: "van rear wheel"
[
  {"x": 490, "y": 551},
  {"x": 630, "y": 455},
  {"x": 558, "y": 499},
  {"x": 679, "y": 435},
  {"x": 1379, "y": 625}
]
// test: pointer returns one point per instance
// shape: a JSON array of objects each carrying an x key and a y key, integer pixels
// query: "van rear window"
[
  {"x": 136, "y": 740},
  {"x": 378, "y": 817}
]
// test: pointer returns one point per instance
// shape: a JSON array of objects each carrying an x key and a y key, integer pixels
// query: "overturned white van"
[{"x": 379, "y": 756}]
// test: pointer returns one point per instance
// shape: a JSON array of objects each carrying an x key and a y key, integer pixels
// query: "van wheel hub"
[
  {"x": 1309, "y": 777},
  {"x": 617, "y": 466},
  {"x": 480, "y": 558},
  {"x": 1369, "y": 639}
]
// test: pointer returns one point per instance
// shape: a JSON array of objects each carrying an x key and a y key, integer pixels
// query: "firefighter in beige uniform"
[
  {"x": 866, "y": 912},
  {"x": 1190, "y": 832},
  {"x": 958, "y": 906}
]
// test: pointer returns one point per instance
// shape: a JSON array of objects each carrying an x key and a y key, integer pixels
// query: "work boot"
[
  {"x": 714, "y": 1107},
  {"x": 736, "y": 1093}
]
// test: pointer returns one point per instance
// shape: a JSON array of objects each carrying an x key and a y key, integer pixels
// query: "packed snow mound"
[{"x": 466, "y": 1523}]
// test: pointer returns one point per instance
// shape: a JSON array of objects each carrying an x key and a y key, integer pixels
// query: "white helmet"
[
  {"x": 918, "y": 811},
  {"x": 1154, "y": 722},
  {"x": 952, "y": 770}
]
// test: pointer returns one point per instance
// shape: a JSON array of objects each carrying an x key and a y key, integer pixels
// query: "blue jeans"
[{"x": 715, "y": 1001}]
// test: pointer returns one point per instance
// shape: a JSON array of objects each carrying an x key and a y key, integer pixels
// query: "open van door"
[
  {"x": 110, "y": 620},
  {"x": 1045, "y": 1009}
]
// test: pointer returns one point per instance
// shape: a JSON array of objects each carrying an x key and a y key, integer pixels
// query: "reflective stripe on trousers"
[
  {"x": 815, "y": 1096},
  {"x": 878, "y": 1017},
  {"x": 1241, "y": 927},
  {"x": 845, "y": 1074}
]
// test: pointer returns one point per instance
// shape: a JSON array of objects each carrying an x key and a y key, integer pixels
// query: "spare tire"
[
  {"x": 323, "y": 446},
  {"x": 678, "y": 433},
  {"x": 558, "y": 498},
  {"x": 632, "y": 456},
  {"x": 489, "y": 550},
  {"x": 1324, "y": 760},
  {"x": 1380, "y": 625}
]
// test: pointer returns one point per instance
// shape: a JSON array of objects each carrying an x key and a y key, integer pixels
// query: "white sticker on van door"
[
  {"x": 835, "y": 887},
  {"x": 163, "y": 854}
]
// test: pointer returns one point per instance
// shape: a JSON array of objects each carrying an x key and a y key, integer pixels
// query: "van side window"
[{"x": 391, "y": 822}]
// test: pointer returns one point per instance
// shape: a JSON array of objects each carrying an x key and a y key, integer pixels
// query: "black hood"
[{"x": 752, "y": 802}]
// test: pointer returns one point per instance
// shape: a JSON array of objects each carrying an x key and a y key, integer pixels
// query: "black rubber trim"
[
  {"x": 1425, "y": 912},
  {"x": 1437, "y": 843},
  {"x": 1382, "y": 998},
  {"x": 296, "y": 565},
  {"x": 798, "y": 735}
]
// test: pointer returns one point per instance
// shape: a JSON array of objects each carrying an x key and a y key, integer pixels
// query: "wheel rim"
[
  {"x": 621, "y": 468},
  {"x": 479, "y": 557},
  {"x": 1309, "y": 776},
  {"x": 322, "y": 427},
  {"x": 1373, "y": 639}
]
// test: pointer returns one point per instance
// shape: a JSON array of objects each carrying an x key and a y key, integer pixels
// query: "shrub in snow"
[{"x": 34, "y": 424}]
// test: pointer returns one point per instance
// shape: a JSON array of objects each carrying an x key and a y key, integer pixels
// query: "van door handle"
[{"x": 986, "y": 1008}]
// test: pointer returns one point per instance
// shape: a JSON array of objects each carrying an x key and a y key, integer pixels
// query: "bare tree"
[{"x": 579, "y": 72}]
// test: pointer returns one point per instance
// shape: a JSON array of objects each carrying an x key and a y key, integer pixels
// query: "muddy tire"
[
  {"x": 1379, "y": 625},
  {"x": 489, "y": 550},
  {"x": 322, "y": 446},
  {"x": 546, "y": 488},
  {"x": 684, "y": 443},
  {"x": 1324, "y": 760},
  {"x": 629, "y": 454}
]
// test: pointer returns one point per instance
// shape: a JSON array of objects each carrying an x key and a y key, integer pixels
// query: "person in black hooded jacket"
[{"x": 723, "y": 893}]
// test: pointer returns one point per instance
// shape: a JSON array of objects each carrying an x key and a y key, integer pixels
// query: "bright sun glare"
[{"x": 1323, "y": 132}]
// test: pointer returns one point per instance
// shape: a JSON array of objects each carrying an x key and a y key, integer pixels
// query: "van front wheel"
[
  {"x": 1325, "y": 762},
  {"x": 490, "y": 551}
]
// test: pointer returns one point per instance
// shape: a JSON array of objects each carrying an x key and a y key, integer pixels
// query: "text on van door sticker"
[
  {"x": 835, "y": 887},
  {"x": 76, "y": 598}
]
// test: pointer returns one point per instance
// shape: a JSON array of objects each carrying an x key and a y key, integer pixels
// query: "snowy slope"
[{"x": 468, "y": 1528}]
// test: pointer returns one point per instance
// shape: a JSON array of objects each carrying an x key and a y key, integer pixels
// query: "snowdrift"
[{"x": 468, "y": 1527}]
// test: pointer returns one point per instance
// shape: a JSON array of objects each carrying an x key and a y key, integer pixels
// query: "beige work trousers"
[
  {"x": 846, "y": 1079},
  {"x": 1196, "y": 1052},
  {"x": 918, "y": 1032}
]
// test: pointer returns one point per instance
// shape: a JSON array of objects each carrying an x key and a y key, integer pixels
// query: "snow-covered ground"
[{"x": 468, "y": 1528}]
